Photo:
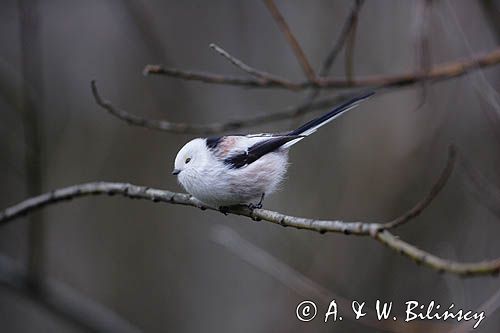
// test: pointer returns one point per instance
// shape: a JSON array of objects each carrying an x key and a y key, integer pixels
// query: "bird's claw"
[
  {"x": 258, "y": 205},
  {"x": 224, "y": 210},
  {"x": 252, "y": 206}
]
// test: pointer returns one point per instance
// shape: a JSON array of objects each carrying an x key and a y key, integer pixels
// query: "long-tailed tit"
[{"x": 237, "y": 169}]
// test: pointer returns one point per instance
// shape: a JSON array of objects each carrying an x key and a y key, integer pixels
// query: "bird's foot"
[
  {"x": 254, "y": 206},
  {"x": 258, "y": 205},
  {"x": 224, "y": 210}
]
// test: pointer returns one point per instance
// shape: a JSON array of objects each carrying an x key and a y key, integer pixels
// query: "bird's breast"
[{"x": 221, "y": 185}]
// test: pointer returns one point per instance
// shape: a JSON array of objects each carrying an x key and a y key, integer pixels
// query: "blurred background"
[{"x": 168, "y": 268}]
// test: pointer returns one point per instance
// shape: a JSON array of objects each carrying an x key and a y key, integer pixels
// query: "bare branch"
[
  {"x": 156, "y": 195},
  {"x": 304, "y": 286},
  {"x": 250, "y": 70},
  {"x": 376, "y": 230},
  {"x": 349, "y": 25},
  {"x": 432, "y": 261},
  {"x": 483, "y": 189},
  {"x": 350, "y": 42},
  {"x": 292, "y": 41},
  {"x": 204, "y": 129},
  {"x": 440, "y": 72},
  {"x": 443, "y": 71},
  {"x": 490, "y": 305},
  {"x": 424, "y": 203},
  {"x": 32, "y": 116},
  {"x": 216, "y": 78},
  {"x": 422, "y": 43},
  {"x": 62, "y": 300}
]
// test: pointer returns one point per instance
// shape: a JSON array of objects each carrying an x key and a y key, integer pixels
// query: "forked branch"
[
  {"x": 378, "y": 231},
  {"x": 438, "y": 72},
  {"x": 261, "y": 75},
  {"x": 292, "y": 41},
  {"x": 211, "y": 128}
]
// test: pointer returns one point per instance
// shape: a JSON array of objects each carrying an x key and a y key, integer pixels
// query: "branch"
[
  {"x": 440, "y": 72},
  {"x": 350, "y": 42},
  {"x": 304, "y": 286},
  {"x": 490, "y": 305},
  {"x": 349, "y": 25},
  {"x": 215, "y": 78},
  {"x": 443, "y": 71},
  {"x": 33, "y": 130},
  {"x": 292, "y": 41},
  {"x": 424, "y": 203},
  {"x": 376, "y": 230},
  {"x": 432, "y": 261},
  {"x": 483, "y": 189},
  {"x": 422, "y": 43},
  {"x": 205, "y": 129},
  {"x": 252, "y": 71},
  {"x": 62, "y": 300}
]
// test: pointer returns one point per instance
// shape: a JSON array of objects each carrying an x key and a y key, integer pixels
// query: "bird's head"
[{"x": 190, "y": 158}]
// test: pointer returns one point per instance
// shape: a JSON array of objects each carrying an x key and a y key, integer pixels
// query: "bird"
[{"x": 229, "y": 170}]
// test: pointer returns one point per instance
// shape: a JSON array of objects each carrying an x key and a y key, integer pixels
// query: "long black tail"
[
  {"x": 261, "y": 148},
  {"x": 314, "y": 124}
]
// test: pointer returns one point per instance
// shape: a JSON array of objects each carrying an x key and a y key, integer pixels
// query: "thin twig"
[
  {"x": 62, "y": 300},
  {"x": 211, "y": 128},
  {"x": 351, "y": 21},
  {"x": 32, "y": 116},
  {"x": 422, "y": 43},
  {"x": 216, "y": 78},
  {"x": 250, "y": 70},
  {"x": 304, "y": 286},
  {"x": 436, "y": 188},
  {"x": 292, "y": 41},
  {"x": 349, "y": 24},
  {"x": 349, "y": 48},
  {"x": 489, "y": 306},
  {"x": 432, "y": 261},
  {"x": 483, "y": 189},
  {"x": 479, "y": 81},
  {"x": 376, "y": 230},
  {"x": 438, "y": 72}
]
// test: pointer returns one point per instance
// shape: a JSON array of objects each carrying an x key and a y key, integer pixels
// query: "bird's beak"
[{"x": 176, "y": 172}]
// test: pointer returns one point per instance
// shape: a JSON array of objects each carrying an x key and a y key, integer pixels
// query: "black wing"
[{"x": 258, "y": 150}]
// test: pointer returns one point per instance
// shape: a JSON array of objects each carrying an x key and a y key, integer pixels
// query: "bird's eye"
[{"x": 188, "y": 160}]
